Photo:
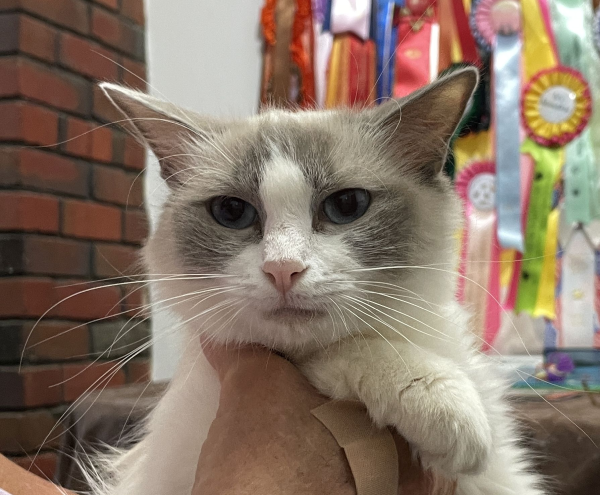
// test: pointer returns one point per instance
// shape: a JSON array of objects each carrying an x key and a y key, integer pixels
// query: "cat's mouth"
[{"x": 294, "y": 313}]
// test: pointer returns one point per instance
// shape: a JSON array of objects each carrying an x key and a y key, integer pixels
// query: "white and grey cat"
[{"x": 328, "y": 236}]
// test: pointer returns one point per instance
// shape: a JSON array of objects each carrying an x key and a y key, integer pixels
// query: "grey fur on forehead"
[{"x": 334, "y": 150}]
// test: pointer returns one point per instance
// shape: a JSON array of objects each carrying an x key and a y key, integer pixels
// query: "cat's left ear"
[
  {"x": 417, "y": 129},
  {"x": 172, "y": 133}
]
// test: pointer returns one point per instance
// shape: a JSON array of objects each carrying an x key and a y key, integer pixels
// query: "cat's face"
[{"x": 277, "y": 228}]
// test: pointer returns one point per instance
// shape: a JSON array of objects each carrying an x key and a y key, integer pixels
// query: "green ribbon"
[
  {"x": 546, "y": 171},
  {"x": 572, "y": 22}
]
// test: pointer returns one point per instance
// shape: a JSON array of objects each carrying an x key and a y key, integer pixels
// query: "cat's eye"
[
  {"x": 347, "y": 205},
  {"x": 233, "y": 213}
]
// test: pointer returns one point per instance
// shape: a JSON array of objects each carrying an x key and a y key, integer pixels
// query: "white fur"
[{"x": 420, "y": 372}]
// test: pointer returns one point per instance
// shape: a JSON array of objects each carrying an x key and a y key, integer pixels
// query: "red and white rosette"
[{"x": 480, "y": 251}]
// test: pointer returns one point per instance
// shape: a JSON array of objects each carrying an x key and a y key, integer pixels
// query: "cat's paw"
[
  {"x": 466, "y": 452},
  {"x": 444, "y": 420}
]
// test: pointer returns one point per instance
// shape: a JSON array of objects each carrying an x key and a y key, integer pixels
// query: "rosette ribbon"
[{"x": 480, "y": 251}]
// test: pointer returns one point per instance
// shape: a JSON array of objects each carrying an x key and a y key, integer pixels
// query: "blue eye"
[
  {"x": 347, "y": 205},
  {"x": 233, "y": 213}
]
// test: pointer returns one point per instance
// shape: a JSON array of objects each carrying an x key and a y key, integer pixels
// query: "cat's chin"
[{"x": 293, "y": 314}]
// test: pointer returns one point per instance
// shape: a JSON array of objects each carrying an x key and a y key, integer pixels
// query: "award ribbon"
[
  {"x": 513, "y": 273},
  {"x": 351, "y": 16},
  {"x": 385, "y": 36},
  {"x": 578, "y": 291},
  {"x": 465, "y": 37},
  {"x": 323, "y": 44},
  {"x": 496, "y": 25},
  {"x": 573, "y": 27},
  {"x": 480, "y": 252},
  {"x": 417, "y": 47},
  {"x": 507, "y": 88},
  {"x": 544, "y": 305},
  {"x": 597, "y": 29},
  {"x": 547, "y": 167}
]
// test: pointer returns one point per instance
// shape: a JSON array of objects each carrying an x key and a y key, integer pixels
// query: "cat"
[{"x": 327, "y": 236}]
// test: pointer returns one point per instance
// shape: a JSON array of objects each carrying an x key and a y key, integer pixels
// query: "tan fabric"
[
  {"x": 284, "y": 18},
  {"x": 371, "y": 452}
]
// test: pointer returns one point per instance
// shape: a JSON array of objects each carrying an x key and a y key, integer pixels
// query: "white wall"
[{"x": 206, "y": 56}]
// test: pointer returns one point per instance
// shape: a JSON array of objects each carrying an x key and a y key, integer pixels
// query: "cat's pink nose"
[{"x": 283, "y": 274}]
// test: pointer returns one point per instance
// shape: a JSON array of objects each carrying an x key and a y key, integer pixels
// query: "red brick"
[
  {"x": 83, "y": 378},
  {"x": 23, "y": 121},
  {"x": 117, "y": 33},
  {"x": 56, "y": 256},
  {"x": 85, "y": 301},
  {"x": 37, "y": 38},
  {"x": 138, "y": 371},
  {"x": 135, "y": 154},
  {"x": 102, "y": 140},
  {"x": 80, "y": 55},
  {"x": 78, "y": 138},
  {"x": 88, "y": 140},
  {"x": 52, "y": 172},
  {"x": 43, "y": 465},
  {"x": 134, "y": 74},
  {"x": 111, "y": 4},
  {"x": 72, "y": 14},
  {"x": 103, "y": 109},
  {"x": 136, "y": 297},
  {"x": 135, "y": 226},
  {"x": 9, "y": 27},
  {"x": 37, "y": 82},
  {"x": 31, "y": 212},
  {"x": 91, "y": 220},
  {"x": 55, "y": 341},
  {"x": 9, "y": 166},
  {"x": 115, "y": 185},
  {"x": 27, "y": 431},
  {"x": 111, "y": 260},
  {"x": 55, "y": 88},
  {"x": 9, "y": 82},
  {"x": 32, "y": 386},
  {"x": 134, "y": 10},
  {"x": 25, "y": 297},
  {"x": 106, "y": 27},
  {"x": 24, "y": 34}
]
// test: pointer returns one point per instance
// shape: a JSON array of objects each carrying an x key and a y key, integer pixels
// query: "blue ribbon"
[
  {"x": 507, "y": 91},
  {"x": 327, "y": 16},
  {"x": 385, "y": 36}
]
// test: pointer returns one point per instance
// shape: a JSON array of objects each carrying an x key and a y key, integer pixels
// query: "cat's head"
[{"x": 285, "y": 228}]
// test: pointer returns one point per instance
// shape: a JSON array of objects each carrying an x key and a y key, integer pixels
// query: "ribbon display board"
[{"x": 526, "y": 155}]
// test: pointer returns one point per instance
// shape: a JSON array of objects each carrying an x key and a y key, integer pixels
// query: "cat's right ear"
[{"x": 169, "y": 131}]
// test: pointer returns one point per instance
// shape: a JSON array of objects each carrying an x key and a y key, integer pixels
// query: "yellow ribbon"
[
  {"x": 544, "y": 305},
  {"x": 539, "y": 53},
  {"x": 333, "y": 82}
]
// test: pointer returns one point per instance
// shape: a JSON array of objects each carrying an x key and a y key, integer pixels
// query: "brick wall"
[{"x": 71, "y": 198}]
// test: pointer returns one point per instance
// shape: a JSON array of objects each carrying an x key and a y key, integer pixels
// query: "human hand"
[{"x": 265, "y": 440}]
